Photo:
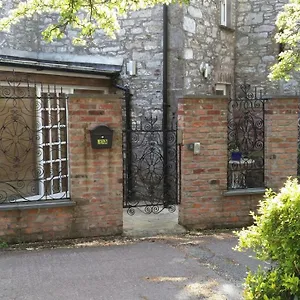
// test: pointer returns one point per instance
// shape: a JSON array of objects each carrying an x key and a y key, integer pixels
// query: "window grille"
[
  {"x": 33, "y": 142},
  {"x": 246, "y": 140},
  {"x": 53, "y": 138}
]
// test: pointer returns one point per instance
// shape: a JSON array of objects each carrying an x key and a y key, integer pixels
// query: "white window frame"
[
  {"x": 222, "y": 87},
  {"x": 41, "y": 162}
]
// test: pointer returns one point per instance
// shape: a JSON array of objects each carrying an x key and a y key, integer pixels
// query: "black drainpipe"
[
  {"x": 127, "y": 175},
  {"x": 165, "y": 66},
  {"x": 165, "y": 103}
]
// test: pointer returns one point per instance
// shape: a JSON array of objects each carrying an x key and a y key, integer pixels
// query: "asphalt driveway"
[{"x": 178, "y": 267}]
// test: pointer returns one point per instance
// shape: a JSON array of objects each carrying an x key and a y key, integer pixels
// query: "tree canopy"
[
  {"x": 86, "y": 16},
  {"x": 288, "y": 25}
]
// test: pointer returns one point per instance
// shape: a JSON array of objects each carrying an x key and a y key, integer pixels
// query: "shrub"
[
  {"x": 3, "y": 244},
  {"x": 275, "y": 237}
]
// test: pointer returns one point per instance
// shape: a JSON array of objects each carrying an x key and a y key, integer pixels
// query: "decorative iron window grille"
[
  {"x": 246, "y": 140},
  {"x": 33, "y": 142}
]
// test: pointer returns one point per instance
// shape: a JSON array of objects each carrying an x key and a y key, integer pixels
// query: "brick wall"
[
  {"x": 204, "y": 201},
  {"x": 95, "y": 182},
  {"x": 281, "y": 140},
  {"x": 18, "y": 225},
  {"x": 96, "y": 175}
]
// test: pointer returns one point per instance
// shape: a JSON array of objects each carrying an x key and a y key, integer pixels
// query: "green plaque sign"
[{"x": 102, "y": 141}]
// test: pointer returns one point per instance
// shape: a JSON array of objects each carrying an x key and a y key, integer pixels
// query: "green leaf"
[
  {"x": 288, "y": 25},
  {"x": 87, "y": 16}
]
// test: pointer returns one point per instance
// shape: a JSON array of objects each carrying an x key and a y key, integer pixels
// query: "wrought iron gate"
[{"x": 151, "y": 165}]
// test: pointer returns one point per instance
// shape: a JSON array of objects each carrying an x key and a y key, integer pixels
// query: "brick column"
[
  {"x": 96, "y": 174},
  {"x": 281, "y": 140},
  {"x": 204, "y": 176}
]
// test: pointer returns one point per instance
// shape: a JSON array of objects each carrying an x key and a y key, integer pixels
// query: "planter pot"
[{"x": 236, "y": 156}]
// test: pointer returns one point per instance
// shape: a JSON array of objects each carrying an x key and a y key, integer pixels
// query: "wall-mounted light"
[
  {"x": 131, "y": 68},
  {"x": 205, "y": 69}
]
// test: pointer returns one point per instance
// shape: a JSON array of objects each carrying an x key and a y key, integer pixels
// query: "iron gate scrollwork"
[
  {"x": 151, "y": 166},
  {"x": 33, "y": 142}
]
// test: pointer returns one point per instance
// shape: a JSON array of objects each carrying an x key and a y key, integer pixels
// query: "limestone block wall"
[
  {"x": 139, "y": 39},
  {"x": 256, "y": 49},
  {"x": 194, "y": 37},
  {"x": 205, "y": 41}
]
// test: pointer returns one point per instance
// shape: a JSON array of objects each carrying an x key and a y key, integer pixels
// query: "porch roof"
[{"x": 88, "y": 64}]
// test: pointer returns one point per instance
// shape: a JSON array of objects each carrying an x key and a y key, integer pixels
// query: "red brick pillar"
[
  {"x": 204, "y": 176},
  {"x": 281, "y": 140},
  {"x": 96, "y": 174}
]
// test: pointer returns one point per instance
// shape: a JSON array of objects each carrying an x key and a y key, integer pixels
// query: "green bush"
[
  {"x": 3, "y": 244},
  {"x": 275, "y": 237}
]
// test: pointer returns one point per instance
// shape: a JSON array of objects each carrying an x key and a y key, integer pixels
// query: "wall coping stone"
[
  {"x": 281, "y": 97},
  {"x": 240, "y": 192},
  {"x": 199, "y": 96},
  {"x": 101, "y": 96},
  {"x": 265, "y": 97},
  {"x": 37, "y": 205}
]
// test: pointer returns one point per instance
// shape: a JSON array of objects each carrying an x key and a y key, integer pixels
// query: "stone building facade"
[
  {"x": 244, "y": 49},
  {"x": 256, "y": 49},
  {"x": 195, "y": 39}
]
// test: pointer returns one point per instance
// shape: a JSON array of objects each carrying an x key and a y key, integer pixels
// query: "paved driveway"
[{"x": 182, "y": 267}]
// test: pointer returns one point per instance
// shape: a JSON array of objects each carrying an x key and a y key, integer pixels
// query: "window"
[
  {"x": 221, "y": 90},
  {"x": 34, "y": 163},
  {"x": 225, "y": 13},
  {"x": 52, "y": 131},
  {"x": 33, "y": 143},
  {"x": 246, "y": 140}
]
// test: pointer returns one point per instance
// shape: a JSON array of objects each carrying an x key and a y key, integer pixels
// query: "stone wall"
[
  {"x": 194, "y": 37},
  {"x": 96, "y": 190},
  {"x": 139, "y": 39},
  {"x": 205, "y": 41},
  {"x": 205, "y": 201},
  {"x": 256, "y": 49}
]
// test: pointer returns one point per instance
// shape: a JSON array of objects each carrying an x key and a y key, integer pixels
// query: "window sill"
[
  {"x": 226, "y": 28},
  {"x": 36, "y": 205},
  {"x": 241, "y": 192}
]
